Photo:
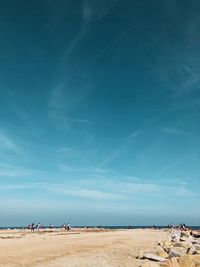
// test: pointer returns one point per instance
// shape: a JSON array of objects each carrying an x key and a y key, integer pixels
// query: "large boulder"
[
  {"x": 161, "y": 252},
  {"x": 185, "y": 233},
  {"x": 175, "y": 236},
  {"x": 188, "y": 239},
  {"x": 186, "y": 245},
  {"x": 177, "y": 251},
  {"x": 195, "y": 249},
  {"x": 167, "y": 245}
]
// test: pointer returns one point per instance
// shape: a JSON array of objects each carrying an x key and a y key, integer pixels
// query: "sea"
[{"x": 103, "y": 226}]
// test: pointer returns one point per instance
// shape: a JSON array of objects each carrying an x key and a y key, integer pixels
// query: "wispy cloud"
[
  {"x": 160, "y": 189},
  {"x": 150, "y": 188},
  {"x": 15, "y": 186},
  {"x": 108, "y": 189},
  {"x": 8, "y": 170},
  {"x": 117, "y": 152},
  {"x": 11, "y": 172},
  {"x": 63, "y": 100},
  {"x": 6, "y": 143},
  {"x": 81, "y": 192},
  {"x": 172, "y": 130},
  {"x": 187, "y": 80},
  {"x": 91, "y": 10}
]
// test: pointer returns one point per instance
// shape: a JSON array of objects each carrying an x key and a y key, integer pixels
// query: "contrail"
[{"x": 100, "y": 53}]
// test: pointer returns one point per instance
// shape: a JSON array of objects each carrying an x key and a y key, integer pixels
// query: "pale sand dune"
[{"x": 75, "y": 248}]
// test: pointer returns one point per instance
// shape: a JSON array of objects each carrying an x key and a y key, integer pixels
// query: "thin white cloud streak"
[
  {"x": 175, "y": 191},
  {"x": 169, "y": 167},
  {"x": 6, "y": 143},
  {"x": 95, "y": 9},
  {"x": 117, "y": 152},
  {"x": 85, "y": 20},
  {"x": 189, "y": 81},
  {"x": 101, "y": 52},
  {"x": 150, "y": 189},
  {"x": 90, "y": 12},
  {"x": 172, "y": 130},
  {"x": 57, "y": 102},
  {"x": 81, "y": 192},
  {"x": 107, "y": 189},
  {"x": 76, "y": 39},
  {"x": 15, "y": 186},
  {"x": 10, "y": 172},
  {"x": 69, "y": 168},
  {"x": 96, "y": 183}
]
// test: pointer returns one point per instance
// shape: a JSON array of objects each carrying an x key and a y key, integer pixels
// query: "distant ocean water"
[{"x": 103, "y": 226}]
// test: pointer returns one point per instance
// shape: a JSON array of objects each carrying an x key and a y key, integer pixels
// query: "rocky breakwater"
[{"x": 182, "y": 249}]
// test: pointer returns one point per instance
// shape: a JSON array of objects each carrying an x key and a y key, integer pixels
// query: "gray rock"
[
  {"x": 177, "y": 251},
  {"x": 153, "y": 257},
  {"x": 192, "y": 250}
]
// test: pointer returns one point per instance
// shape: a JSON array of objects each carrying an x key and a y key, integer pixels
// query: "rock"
[
  {"x": 196, "y": 241},
  {"x": 161, "y": 252},
  {"x": 175, "y": 237},
  {"x": 177, "y": 251},
  {"x": 141, "y": 254},
  {"x": 186, "y": 245},
  {"x": 153, "y": 257},
  {"x": 192, "y": 251},
  {"x": 187, "y": 239},
  {"x": 167, "y": 245},
  {"x": 195, "y": 249},
  {"x": 185, "y": 233},
  {"x": 160, "y": 243},
  {"x": 196, "y": 234}
]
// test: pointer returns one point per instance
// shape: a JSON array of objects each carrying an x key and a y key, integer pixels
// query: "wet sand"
[{"x": 78, "y": 247}]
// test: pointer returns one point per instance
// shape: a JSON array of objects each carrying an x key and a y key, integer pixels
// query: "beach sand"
[{"x": 78, "y": 247}]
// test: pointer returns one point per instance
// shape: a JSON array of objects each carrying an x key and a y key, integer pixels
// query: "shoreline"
[{"x": 125, "y": 227}]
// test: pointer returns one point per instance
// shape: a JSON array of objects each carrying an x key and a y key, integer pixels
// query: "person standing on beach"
[
  {"x": 68, "y": 227},
  {"x": 38, "y": 226},
  {"x": 32, "y": 227}
]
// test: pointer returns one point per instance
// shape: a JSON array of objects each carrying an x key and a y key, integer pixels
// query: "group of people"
[
  {"x": 34, "y": 226},
  {"x": 66, "y": 226}
]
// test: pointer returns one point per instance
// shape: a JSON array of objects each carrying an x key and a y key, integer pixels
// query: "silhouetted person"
[
  {"x": 68, "y": 227},
  {"x": 32, "y": 227},
  {"x": 38, "y": 226}
]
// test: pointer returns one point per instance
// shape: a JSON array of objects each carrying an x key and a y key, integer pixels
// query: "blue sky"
[{"x": 99, "y": 112}]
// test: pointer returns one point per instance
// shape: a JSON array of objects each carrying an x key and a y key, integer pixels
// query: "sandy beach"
[{"x": 78, "y": 247}]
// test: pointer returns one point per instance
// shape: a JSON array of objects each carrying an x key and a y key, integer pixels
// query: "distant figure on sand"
[
  {"x": 68, "y": 227},
  {"x": 38, "y": 226},
  {"x": 32, "y": 227}
]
